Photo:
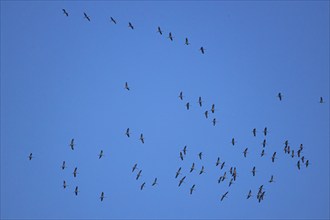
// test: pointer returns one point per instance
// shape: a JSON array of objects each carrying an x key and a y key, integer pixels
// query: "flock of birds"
[{"x": 288, "y": 150}]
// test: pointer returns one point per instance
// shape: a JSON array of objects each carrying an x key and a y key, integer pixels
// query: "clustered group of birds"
[{"x": 218, "y": 163}]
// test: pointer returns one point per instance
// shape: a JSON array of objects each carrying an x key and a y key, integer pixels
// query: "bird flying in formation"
[
  {"x": 202, "y": 50},
  {"x": 64, "y": 184},
  {"x": 192, "y": 189},
  {"x": 187, "y": 105},
  {"x": 127, "y": 132},
  {"x": 130, "y": 25},
  {"x": 249, "y": 194},
  {"x": 321, "y": 100},
  {"x": 142, "y": 186},
  {"x": 30, "y": 156},
  {"x": 101, "y": 154},
  {"x": 134, "y": 167},
  {"x": 113, "y": 20},
  {"x": 218, "y": 162},
  {"x": 126, "y": 86},
  {"x": 63, "y": 165},
  {"x": 233, "y": 141},
  {"x": 202, "y": 170},
  {"x": 170, "y": 36},
  {"x": 102, "y": 196},
  {"x": 72, "y": 144},
  {"x": 200, "y": 155},
  {"x": 200, "y": 101},
  {"x": 159, "y": 31},
  {"x": 271, "y": 179},
  {"x": 86, "y": 16},
  {"x": 214, "y": 121},
  {"x": 254, "y": 131},
  {"x": 265, "y": 131},
  {"x": 138, "y": 175},
  {"x": 142, "y": 138},
  {"x": 224, "y": 196},
  {"x": 187, "y": 42},
  {"x": 245, "y": 152},
  {"x": 75, "y": 172},
  {"x": 65, "y": 12},
  {"x": 206, "y": 113},
  {"x": 155, "y": 182},
  {"x": 213, "y": 108},
  {"x": 181, "y": 181},
  {"x": 279, "y": 95},
  {"x": 184, "y": 150},
  {"x": 178, "y": 173},
  {"x": 254, "y": 171},
  {"x": 181, "y": 155},
  {"x": 273, "y": 157},
  {"x": 181, "y": 96},
  {"x": 76, "y": 191},
  {"x": 192, "y": 167}
]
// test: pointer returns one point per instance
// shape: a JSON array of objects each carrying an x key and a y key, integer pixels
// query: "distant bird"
[
  {"x": 127, "y": 132},
  {"x": 187, "y": 105},
  {"x": 202, "y": 170},
  {"x": 233, "y": 141},
  {"x": 254, "y": 131},
  {"x": 292, "y": 153},
  {"x": 273, "y": 157},
  {"x": 30, "y": 156},
  {"x": 101, "y": 154},
  {"x": 181, "y": 96},
  {"x": 279, "y": 96},
  {"x": 245, "y": 152},
  {"x": 206, "y": 114},
  {"x": 130, "y": 25},
  {"x": 224, "y": 176},
  {"x": 64, "y": 184},
  {"x": 222, "y": 165},
  {"x": 134, "y": 167},
  {"x": 286, "y": 143},
  {"x": 181, "y": 155},
  {"x": 200, "y": 101},
  {"x": 202, "y": 50},
  {"x": 214, "y": 121},
  {"x": 288, "y": 150},
  {"x": 76, "y": 191},
  {"x": 271, "y": 179},
  {"x": 265, "y": 131},
  {"x": 65, "y": 12},
  {"x": 113, "y": 20},
  {"x": 187, "y": 42},
  {"x": 63, "y": 165},
  {"x": 192, "y": 189},
  {"x": 303, "y": 159},
  {"x": 261, "y": 196},
  {"x": 231, "y": 170},
  {"x": 86, "y": 16},
  {"x": 102, "y": 196},
  {"x": 155, "y": 182},
  {"x": 298, "y": 164},
  {"x": 218, "y": 162},
  {"x": 249, "y": 194},
  {"x": 159, "y": 31},
  {"x": 170, "y": 36},
  {"x": 285, "y": 149},
  {"x": 75, "y": 172},
  {"x": 178, "y": 173},
  {"x": 262, "y": 152},
  {"x": 72, "y": 144},
  {"x": 220, "y": 179},
  {"x": 307, "y": 163},
  {"x": 230, "y": 182},
  {"x": 126, "y": 86},
  {"x": 234, "y": 174},
  {"x": 200, "y": 155},
  {"x": 184, "y": 150},
  {"x": 181, "y": 181},
  {"x": 142, "y": 138},
  {"x": 254, "y": 171},
  {"x": 224, "y": 196},
  {"x": 321, "y": 100},
  {"x": 138, "y": 175},
  {"x": 264, "y": 143},
  {"x": 192, "y": 167},
  {"x": 213, "y": 108},
  {"x": 301, "y": 147},
  {"x": 142, "y": 186},
  {"x": 260, "y": 188}
]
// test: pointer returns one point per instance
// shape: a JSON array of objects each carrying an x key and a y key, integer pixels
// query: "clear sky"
[{"x": 63, "y": 77}]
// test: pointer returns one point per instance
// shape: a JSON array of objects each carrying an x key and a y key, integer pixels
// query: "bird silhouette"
[
  {"x": 178, "y": 173},
  {"x": 101, "y": 154},
  {"x": 218, "y": 162},
  {"x": 254, "y": 171},
  {"x": 130, "y": 25},
  {"x": 271, "y": 179},
  {"x": 155, "y": 182},
  {"x": 206, "y": 114},
  {"x": 181, "y": 155},
  {"x": 127, "y": 132},
  {"x": 142, "y": 186},
  {"x": 200, "y": 155},
  {"x": 192, "y": 167},
  {"x": 142, "y": 138},
  {"x": 64, "y": 184},
  {"x": 181, "y": 181},
  {"x": 254, "y": 131},
  {"x": 279, "y": 95},
  {"x": 245, "y": 152},
  {"x": 126, "y": 86},
  {"x": 75, "y": 172},
  {"x": 76, "y": 190},
  {"x": 113, "y": 20},
  {"x": 273, "y": 157},
  {"x": 170, "y": 36},
  {"x": 102, "y": 196},
  {"x": 187, "y": 42},
  {"x": 65, "y": 12},
  {"x": 159, "y": 31},
  {"x": 138, "y": 175},
  {"x": 181, "y": 95},
  {"x": 213, "y": 108},
  {"x": 184, "y": 150},
  {"x": 187, "y": 105},
  {"x": 86, "y": 16},
  {"x": 63, "y": 165},
  {"x": 265, "y": 131},
  {"x": 202, "y": 50},
  {"x": 192, "y": 189},
  {"x": 200, "y": 101},
  {"x": 30, "y": 156},
  {"x": 249, "y": 195},
  {"x": 134, "y": 167},
  {"x": 72, "y": 144},
  {"x": 224, "y": 196},
  {"x": 321, "y": 100},
  {"x": 202, "y": 171}
]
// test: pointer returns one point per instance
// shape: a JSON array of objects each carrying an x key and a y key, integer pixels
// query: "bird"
[
  {"x": 218, "y": 162},
  {"x": 233, "y": 141},
  {"x": 231, "y": 170},
  {"x": 155, "y": 182},
  {"x": 224, "y": 176},
  {"x": 271, "y": 179},
  {"x": 134, "y": 167},
  {"x": 321, "y": 100},
  {"x": 101, "y": 154},
  {"x": 63, "y": 165},
  {"x": 142, "y": 186},
  {"x": 222, "y": 165},
  {"x": 200, "y": 155},
  {"x": 181, "y": 155},
  {"x": 261, "y": 196},
  {"x": 113, "y": 20},
  {"x": 254, "y": 131},
  {"x": 288, "y": 149},
  {"x": 206, "y": 114},
  {"x": 187, "y": 42},
  {"x": 30, "y": 156},
  {"x": 178, "y": 173},
  {"x": 307, "y": 163},
  {"x": 249, "y": 194},
  {"x": 285, "y": 149},
  {"x": 102, "y": 196},
  {"x": 264, "y": 143},
  {"x": 245, "y": 152},
  {"x": 202, "y": 170},
  {"x": 142, "y": 138},
  {"x": 220, "y": 179},
  {"x": 298, "y": 164},
  {"x": 170, "y": 36},
  {"x": 213, "y": 108},
  {"x": 181, "y": 181},
  {"x": 292, "y": 153},
  {"x": 192, "y": 189},
  {"x": 262, "y": 152},
  {"x": 159, "y": 31},
  {"x": 181, "y": 95},
  {"x": 214, "y": 121},
  {"x": 75, "y": 172},
  {"x": 192, "y": 167},
  {"x": 64, "y": 184},
  {"x": 72, "y": 144},
  {"x": 202, "y": 50},
  {"x": 86, "y": 16},
  {"x": 127, "y": 132},
  {"x": 234, "y": 174},
  {"x": 279, "y": 95},
  {"x": 200, "y": 101},
  {"x": 138, "y": 175},
  {"x": 301, "y": 147},
  {"x": 254, "y": 171},
  {"x": 286, "y": 143},
  {"x": 224, "y": 196},
  {"x": 231, "y": 182},
  {"x": 303, "y": 159},
  {"x": 65, "y": 12},
  {"x": 184, "y": 150},
  {"x": 130, "y": 25},
  {"x": 76, "y": 191},
  {"x": 273, "y": 157},
  {"x": 126, "y": 86},
  {"x": 265, "y": 131},
  {"x": 187, "y": 105}
]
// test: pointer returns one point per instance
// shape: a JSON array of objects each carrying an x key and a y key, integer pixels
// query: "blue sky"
[{"x": 63, "y": 77}]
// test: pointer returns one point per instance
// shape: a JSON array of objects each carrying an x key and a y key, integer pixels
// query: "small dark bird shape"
[
  {"x": 30, "y": 156},
  {"x": 273, "y": 157},
  {"x": 202, "y": 170},
  {"x": 254, "y": 171},
  {"x": 298, "y": 164},
  {"x": 233, "y": 141},
  {"x": 245, "y": 152},
  {"x": 181, "y": 96},
  {"x": 184, "y": 150},
  {"x": 254, "y": 131},
  {"x": 192, "y": 167},
  {"x": 271, "y": 179},
  {"x": 134, "y": 167},
  {"x": 218, "y": 162},
  {"x": 127, "y": 132},
  {"x": 234, "y": 173},
  {"x": 321, "y": 100},
  {"x": 264, "y": 143},
  {"x": 202, "y": 50},
  {"x": 87, "y": 17},
  {"x": 65, "y": 12},
  {"x": 181, "y": 155},
  {"x": 76, "y": 191},
  {"x": 159, "y": 31},
  {"x": 206, "y": 113},
  {"x": 292, "y": 153},
  {"x": 63, "y": 165},
  {"x": 249, "y": 195},
  {"x": 262, "y": 152},
  {"x": 170, "y": 36},
  {"x": 192, "y": 189},
  {"x": 75, "y": 172},
  {"x": 142, "y": 186},
  {"x": 138, "y": 175},
  {"x": 101, "y": 154},
  {"x": 265, "y": 131},
  {"x": 64, "y": 184},
  {"x": 142, "y": 138},
  {"x": 72, "y": 144},
  {"x": 231, "y": 170},
  {"x": 224, "y": 196},
  {"x": 286, "y": 143},
  {"x": 214, "y": 121},
  {"x": 288, "y": 150},
  {"x": 187, "y": 42},
  {"x": 102, "y": 196},
  {"x": 303, "y": 159},
  {"x": 178, "y": 173},
  {"x": 307, "y": 163},
  {"x": 113, "y": 20},
  {"x": 187, "y": 105},
  {"x": 222, "y": 165},
  {"x": 200, "y": 101},
  {"x": 301, "y": 147},
  {"x": 279, "y": 96},
  {"x": 181, "y": 181},
  {"x": 200, "y": 155},
  {"x": 213, "y": 108},
  {"x": 155, "y": 182},
  {"x": 126, "y": 86},
  {"x": 130, "y": 25}
]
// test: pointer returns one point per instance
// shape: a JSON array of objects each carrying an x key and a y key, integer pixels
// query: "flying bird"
[
  {"x": 181, "y": 181},
  {"x": 292, "y": 153},
  {"x": 170, "y": 36},
  {"x": 64, "y": 184},
  {"x": 181, "y": 155},
  {"x": 202, "y": 50},
  {"x": 200, "y": 101},
  {"x": 262, "y": 152},
  {"x": 254, "y": 171},
  {"x": 126, "y": 86},
  {"x": 187, "y": 42},
  {"x": 113, "y": 20},
  {"x": 233, "y": 141},
  {"x": 264, "y": 143},
  {"x": 102, "y": 196},
  {"x": 279, "y": 96},
  {"x": 138, "y": 175},
  {"x": 301, "y": 147},
  {"x": 142, "y": 186},
  {"x": 178, "y": 173},
  {"x": 231, "y": 182},
  {"x": 218, "y": 162},
  {"x": 321, "y": 100},
  {"x": 63, "y": 165},
  {"x": 127, "y": 132},
  {"x": 75, "y": 172},
  {"x": 307, "y": 163},
  {"x": 213, "y": 108},
  {"x": 134, "y": 167},
  {"x": 30, "y": 156},
  {"x": 298, "y": 164},
  {"x": 130, "y": 25},
  {"x": 159, "y": 31},
  {"x": 254, "y": 131},
  {"x": 249, "y": 194},
  {"x": 142, "y": 138},
  {"x": 192, "y": 189},
  {"x": 187, "y": 105},
  {"x": 206, "y": 113},
  {"x": 273, "y": 157},
  {"x": 202, "y": 170},
  {"x": 86, "y": 16},
  {"x": 214, "y": 121},
  {"x": 200, "y": 155},
  {"x": 184, "y": 150},
  {"x": 181, "y": 96},
  {"x": 245, "y": 152},
  {"x": 101, "y": 154},
  {"x": 303, "y": 159},
  {"x": 222, "y": 165},
  {"x": 192, "y": 167},
  {"x": 72, "y": 144},
  {"x": 271, "y": 179},
  {"x": 65, "y": 12},
  {"x": 76, "y": 191},
  {"x": 155, "y": 182},
  {"x": 234, "y": 174},
  {"x": 265, "y": 131},
  {"x": 224, "y": 196}
]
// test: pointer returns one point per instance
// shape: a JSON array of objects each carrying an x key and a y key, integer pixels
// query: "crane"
[{"x": 138, "y": 175}]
